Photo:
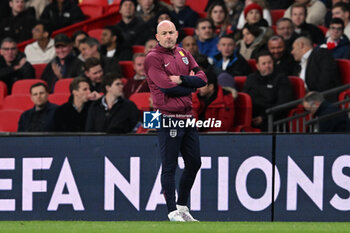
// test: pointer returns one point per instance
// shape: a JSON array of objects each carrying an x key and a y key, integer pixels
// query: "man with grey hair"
[
  {"x": 315, "y": 103},
  {"x": 13, "y": 64},
  {"x": 318, "y": 66},
  {"x": 90, "y": 47},
  {"x": 172, "y": 75}
]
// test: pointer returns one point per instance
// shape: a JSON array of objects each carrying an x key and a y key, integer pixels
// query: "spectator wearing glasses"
[
  {"x": 112, "y": 113},
  {"x": 64, "y": 65},
  {"x": 13, "y": 64},
  {"x": 337, "y": 42}
]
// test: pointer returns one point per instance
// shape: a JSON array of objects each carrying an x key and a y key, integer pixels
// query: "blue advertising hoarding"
[
  {"x": 314, "y": 178},
  {"x": 118, "y": 178}
]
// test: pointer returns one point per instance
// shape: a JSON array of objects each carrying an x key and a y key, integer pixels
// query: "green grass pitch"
[{"x": 170, "y": 227}]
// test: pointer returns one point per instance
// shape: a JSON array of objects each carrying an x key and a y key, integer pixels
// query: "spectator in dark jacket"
[
  {"x": 337, "y": 42},
  {"x": 318, "y": 107},
  {"x": 229, "y": 59},
  {"x": 298, "y": 16},
  {"x": 267, "y": 89},
  {"x": 114, "y": 45},
  {"x": 112, "y": 113},
  {"x": 13, "y": 64},
  {"x": 71, "y": 116},
  {"x": 64, "y": 65},
  {"x": 62, "y": 13},
  {"x": 133, "y": 28},
  {"x": 284, "y": 61},
  {"x": 18, "y": 25},
  {"x": 318, "y": 67},
  {"x": 40, "y": 117},
  {"x": 184, "y": 14}
]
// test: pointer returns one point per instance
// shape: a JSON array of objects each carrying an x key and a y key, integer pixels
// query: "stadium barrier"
[{"x": 115, "y": 178}]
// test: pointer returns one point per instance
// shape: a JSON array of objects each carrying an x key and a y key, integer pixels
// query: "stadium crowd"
[{"x": 245, "y": 50}]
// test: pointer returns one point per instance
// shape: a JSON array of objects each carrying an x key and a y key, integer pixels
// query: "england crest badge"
[
  {"x": 173, "y": 133},
  {"x": 185, "y": 60}
]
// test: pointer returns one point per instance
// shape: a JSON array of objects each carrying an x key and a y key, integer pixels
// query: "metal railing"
[{"x": 287, "y": 123}]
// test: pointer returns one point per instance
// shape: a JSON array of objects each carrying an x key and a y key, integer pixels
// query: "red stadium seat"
[
  {"x": 297, "y": 125},
  {"x": 19, "y": 102},
  {"x": 128, "y": 69},
  {"x": 138, "y": 49},
  {"x": 323, "y": 29},
  {"x": 3, "y": 92},
  {"x": 141, "y": 100},
  {"x": 198, "y": 6},
  {"x": 298, "y": 86},
  {"x": 252, "y": 64},
  {"x": 92, "y": 11},
  {"x": 344, "y": 95},
  {"x": 103, "y": 3},
  {"x": 62, "y": 86},
  {"x": 96, "y": 33},
  {"x": 112, "y": 8},
  {"x": 239, "y": 82},
  {"x": 9, "y": 120},
  {"x": 23, "y": 86},
  {"x": 276, "y": 15},
  {"x": 59, "y": 98},
  {"x": 188, "y": 31},
  {"x": 243, "y": 114},
  {"x": 344, "y": 70},
  {"x": 39, "y": 69}
]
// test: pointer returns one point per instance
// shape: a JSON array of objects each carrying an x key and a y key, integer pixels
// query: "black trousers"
[{"x": 185, "y": 141}]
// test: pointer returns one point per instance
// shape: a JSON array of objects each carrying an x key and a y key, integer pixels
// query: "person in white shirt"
[
  {"x": 43, "y": 49},
  {"x": 316, "y": 11}
]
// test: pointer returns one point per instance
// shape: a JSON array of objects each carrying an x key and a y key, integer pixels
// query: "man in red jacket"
[{"x": 172, "y": 75}]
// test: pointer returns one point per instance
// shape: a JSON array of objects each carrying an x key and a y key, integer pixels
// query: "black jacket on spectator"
[
  {"x": 340, "y": 123},
  {"x": 110, "y": 65},
  {"x": 9, "y": 75},
  {"x": 122, "y": 52},
  {"x": 321, "y": 72},
  {"x": 286, "y": 64},
  {"x": 186, "y": 17},
  {"x": 313, "y": 32},
  {"x": 68, "y": 119},
  {"x": 71, "y": 13},
  {"x": 94, "y": 87},
  {"x": 267, "y": 92},
  {"x": 237, "y": 66},
  {"x": 121, "y": 118},
  {"x": 18, "y": 27},
  {"x": 37, "y": 121},
  {"x": 72, "y": 68},
  {"x": 137, "y": 32}
]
